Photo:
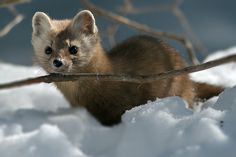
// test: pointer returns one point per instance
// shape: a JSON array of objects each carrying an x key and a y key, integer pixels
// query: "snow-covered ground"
[{"x": 36, "y": 121}]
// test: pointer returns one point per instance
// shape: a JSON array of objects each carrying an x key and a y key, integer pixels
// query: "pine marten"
[{"x": 73, "y": 46}]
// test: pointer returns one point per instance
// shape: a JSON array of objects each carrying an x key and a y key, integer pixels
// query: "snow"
[
  {"x": 222, "y": 75},
  {"x": 37, "y": 121}
]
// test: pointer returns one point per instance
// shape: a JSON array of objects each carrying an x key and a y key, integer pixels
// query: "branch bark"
[
  {"x": 120, "y": 77},
  {"x": 143, "y": 28}
]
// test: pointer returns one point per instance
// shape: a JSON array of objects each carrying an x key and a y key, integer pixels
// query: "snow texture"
[{"x": 36, "y": 121}]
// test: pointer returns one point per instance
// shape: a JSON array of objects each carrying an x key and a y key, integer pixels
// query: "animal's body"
[{"x": 73, "y": 46}]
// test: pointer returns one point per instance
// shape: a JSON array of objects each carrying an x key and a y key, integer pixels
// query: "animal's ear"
[
  {"x": 41, "y": 23},
  {"x": 84, "y": 21}
]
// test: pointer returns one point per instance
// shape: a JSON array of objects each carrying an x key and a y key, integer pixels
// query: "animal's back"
[
  {"x": 144, "y": 55},
  {"x": 147, "y": 55}
]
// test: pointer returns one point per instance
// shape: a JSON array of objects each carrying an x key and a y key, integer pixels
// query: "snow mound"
[
  {"x": 47, "y": 140},
  {"x": 36, "y": 121},
  {"x": 41, "y": 96}
]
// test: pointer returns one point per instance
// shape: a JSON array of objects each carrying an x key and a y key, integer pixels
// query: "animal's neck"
[{"x": 100, "y": 63}]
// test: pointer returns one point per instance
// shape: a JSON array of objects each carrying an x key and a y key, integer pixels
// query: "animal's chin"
[
  {"x": 61, "y": 70},
  {"x": 65, "y": 71}
]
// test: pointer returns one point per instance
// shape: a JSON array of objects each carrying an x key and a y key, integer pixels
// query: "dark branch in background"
[
  {"x": 4, "y": 3},
  {"x": 119, "y": 77},
  {"x": 18, "y": 18},
  {"x": 113, "y": 28},
  {"x": 9, "y": 4},
  {"x": 143, "y": 28},
  {"x": 174, "y": 8}
]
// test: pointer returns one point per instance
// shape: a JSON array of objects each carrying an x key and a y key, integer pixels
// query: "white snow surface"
[{"x": 36, "y": 121}]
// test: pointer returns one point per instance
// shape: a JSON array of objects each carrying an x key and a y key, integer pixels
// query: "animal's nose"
[{"x": 57, "y": 63}]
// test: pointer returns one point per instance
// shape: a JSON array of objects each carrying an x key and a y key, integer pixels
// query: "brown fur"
[
  {"x": 108, "y": 100},
  {"x": 206, "y": 91}
]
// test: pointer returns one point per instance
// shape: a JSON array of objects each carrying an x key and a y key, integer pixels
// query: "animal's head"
[{"x": 64, "y": 46}]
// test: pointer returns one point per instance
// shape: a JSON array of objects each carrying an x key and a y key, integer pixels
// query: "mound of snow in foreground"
[{"x": 36, "y": 121}]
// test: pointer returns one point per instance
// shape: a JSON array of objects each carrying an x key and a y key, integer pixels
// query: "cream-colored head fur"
[
  {"x": 59, "y": 36},
  {"x": 85, "y": 21},
  {"x": 41, "y": 23}
]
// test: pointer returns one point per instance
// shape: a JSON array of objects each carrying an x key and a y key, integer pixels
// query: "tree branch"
[
  {"x": 4, "y": 3},
  {"x": 11, "y": 25},
  {"x": 119, "y": 77},
  {"x": 143, "y": 28},
  {"x": 175, "y": 9},
  {"x": 18, "y": 18},
  {"x": 178, "y": 13}
]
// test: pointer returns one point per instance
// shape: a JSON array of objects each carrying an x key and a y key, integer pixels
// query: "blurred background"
[{"x": 210, "y": 24}]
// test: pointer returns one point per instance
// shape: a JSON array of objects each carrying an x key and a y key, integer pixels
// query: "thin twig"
[
  {"x": 175, "y": 9},
  {"x": 120, "y": 77},
  {"x": 178, "y": 13},
  {"x": 11, "y": 25},
  {"x": 143, "y": 28},
  {"x": 113, "y": 28},
  {"x": 130, "y": 23},
  {"x": 111, "y": 33},
  {"x": 18, "y": 18}
]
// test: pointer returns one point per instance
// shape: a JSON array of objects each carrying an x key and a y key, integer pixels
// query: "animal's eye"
[
  {"x": 48, "y": 50},
  {"x": 73, "y": 50}
]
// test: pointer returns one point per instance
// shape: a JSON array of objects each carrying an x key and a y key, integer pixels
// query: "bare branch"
[
  {"x": 130, "y": 23},
  {"x": 113, "y": 28},
  {"x": 111, "y": 33},
  {"x": 120, "y": 77},
  {"x": 18, "y": 18},
  {"x": 175, "y": 9},
  {"x": 143, "y": 28},
  {"x": 5, "y": 3},
  {"x": 11, "y": 25}
]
